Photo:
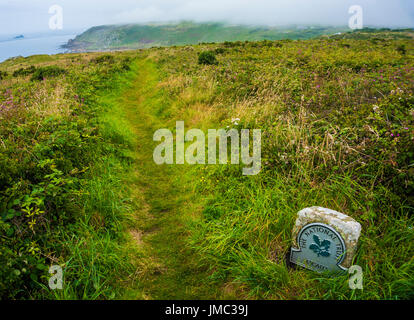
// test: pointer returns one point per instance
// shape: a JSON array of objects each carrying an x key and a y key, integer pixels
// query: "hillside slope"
[{"x": 136, "y": 36}]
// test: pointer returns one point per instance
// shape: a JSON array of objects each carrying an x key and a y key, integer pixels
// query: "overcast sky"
[{"x": 25, "y": 16}]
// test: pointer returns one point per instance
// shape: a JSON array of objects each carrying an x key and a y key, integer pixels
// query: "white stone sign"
[{"x": 324, "y": 240}]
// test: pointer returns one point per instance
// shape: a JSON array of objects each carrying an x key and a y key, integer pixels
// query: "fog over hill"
[
  {"x": 139, "y": 36},
  {"x": 21, "y": 16}
]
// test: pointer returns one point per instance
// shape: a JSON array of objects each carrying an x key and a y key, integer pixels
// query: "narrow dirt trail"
[{"x": 169, "y": 266}]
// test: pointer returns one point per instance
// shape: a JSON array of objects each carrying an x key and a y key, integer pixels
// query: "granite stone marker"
[{"x": 324, "y": 240}]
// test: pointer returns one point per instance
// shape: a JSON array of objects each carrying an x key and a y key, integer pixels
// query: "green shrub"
[
  {"x": 220, "y": 51},
  {"x": 47, "y": 72},
  {"x": 207, "y": 57},
  {"x": 402, "y": 49},
  {"x": 125, "y": 64},
  {"x": 24, "y": 71},
  {"x": 3, "y": 75},
  {"x": 232, "y": 44},
  {"x": 267, "y": 43},
  {"x": 106, "y": 58}
]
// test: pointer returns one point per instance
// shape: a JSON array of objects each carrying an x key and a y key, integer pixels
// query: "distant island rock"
[{"x": 19, "y": 37}]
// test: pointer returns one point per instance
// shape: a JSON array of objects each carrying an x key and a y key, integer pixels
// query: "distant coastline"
[{"x": 143, "y": 36}]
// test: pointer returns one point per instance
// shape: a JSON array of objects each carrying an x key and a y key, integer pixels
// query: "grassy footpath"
[{"x": 168, "y": 268}]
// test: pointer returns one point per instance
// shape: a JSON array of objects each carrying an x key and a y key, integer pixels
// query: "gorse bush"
[
  {"x": 47, "y": 72},
  {"x": 207, "y": 57}
]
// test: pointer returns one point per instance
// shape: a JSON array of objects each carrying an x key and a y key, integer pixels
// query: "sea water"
[{"x": 33, "y": 45}]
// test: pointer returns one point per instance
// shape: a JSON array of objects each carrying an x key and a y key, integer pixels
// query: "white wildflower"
[{"x": 235, "y": 121}]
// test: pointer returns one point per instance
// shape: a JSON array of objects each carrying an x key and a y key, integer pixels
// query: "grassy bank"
[{"x": 62, "y": 197}]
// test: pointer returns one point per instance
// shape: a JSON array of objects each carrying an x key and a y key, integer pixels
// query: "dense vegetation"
[
  {"x": 337, "y": 121},
  {"x": 337, "y": 131},
  {"x": 59, "y": 204}
]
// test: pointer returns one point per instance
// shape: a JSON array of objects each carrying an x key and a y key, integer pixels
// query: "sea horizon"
[{"x": 32, "y": 44}]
